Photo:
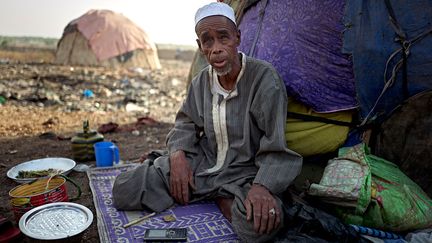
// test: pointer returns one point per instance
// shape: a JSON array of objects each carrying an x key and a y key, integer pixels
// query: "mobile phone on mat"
[{"x": 172, "y": 234}]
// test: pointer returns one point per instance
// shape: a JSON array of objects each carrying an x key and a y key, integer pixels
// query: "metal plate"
[
  {"x": 55, "y": 221},
  {"x": 63, "y": 164}
]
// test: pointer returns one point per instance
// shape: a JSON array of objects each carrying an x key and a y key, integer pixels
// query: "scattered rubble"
[{"x": 130, "y": 93}]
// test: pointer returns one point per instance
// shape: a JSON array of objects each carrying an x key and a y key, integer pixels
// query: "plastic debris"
[{"x": 88, "y": 93}]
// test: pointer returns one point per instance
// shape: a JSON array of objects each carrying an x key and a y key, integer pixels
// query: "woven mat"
[{"x": 204, "y": 221}]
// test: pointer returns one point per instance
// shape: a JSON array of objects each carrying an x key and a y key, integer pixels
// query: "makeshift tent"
[
  {"x": 106, "y": 38},
  {"x": 335, "y": 54}
]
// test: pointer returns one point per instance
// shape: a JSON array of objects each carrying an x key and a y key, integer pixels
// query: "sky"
[{"x": 165, "y": 21}]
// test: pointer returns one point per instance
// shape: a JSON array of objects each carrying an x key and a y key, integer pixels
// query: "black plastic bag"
[{"x": 304, "y": 223}]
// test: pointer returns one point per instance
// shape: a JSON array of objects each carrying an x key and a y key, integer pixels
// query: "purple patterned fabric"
[
  {"x": 303, "y": 41},
  {"x": 204, "y": 221}
]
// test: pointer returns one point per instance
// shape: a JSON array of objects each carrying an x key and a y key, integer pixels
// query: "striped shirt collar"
[{"x": 217, "y": 88}]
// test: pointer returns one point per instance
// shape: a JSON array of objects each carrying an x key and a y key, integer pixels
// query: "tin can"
[{"x": 28, "y": 196}]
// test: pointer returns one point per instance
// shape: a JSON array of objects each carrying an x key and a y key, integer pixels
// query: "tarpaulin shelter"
[
  {"x": 106, "y": 38},
  {"x": 337, "y": 55}
]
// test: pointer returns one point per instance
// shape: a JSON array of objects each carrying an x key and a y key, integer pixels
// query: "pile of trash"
[{"x": 156, "y": 93}]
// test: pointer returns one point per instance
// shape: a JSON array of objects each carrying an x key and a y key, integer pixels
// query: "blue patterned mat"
[{"x": 204, "y": 221}]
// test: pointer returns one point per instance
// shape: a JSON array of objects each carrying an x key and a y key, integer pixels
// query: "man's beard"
[{"x": 224, "y": 71}]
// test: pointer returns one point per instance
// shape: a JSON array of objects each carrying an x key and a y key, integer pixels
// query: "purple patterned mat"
[{"x": 204, "y": 221}]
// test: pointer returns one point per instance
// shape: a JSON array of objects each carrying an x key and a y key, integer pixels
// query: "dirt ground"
[{"x": 29, "y": 131}]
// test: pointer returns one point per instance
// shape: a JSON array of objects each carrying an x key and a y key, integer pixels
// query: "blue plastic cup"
[{"x": 107, "y": 154}]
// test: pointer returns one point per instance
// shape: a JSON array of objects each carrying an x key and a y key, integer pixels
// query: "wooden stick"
[{"x": 135, "y": 221}]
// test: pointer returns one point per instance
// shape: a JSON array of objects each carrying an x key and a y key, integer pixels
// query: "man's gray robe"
[{"x": 231, "y": 139}]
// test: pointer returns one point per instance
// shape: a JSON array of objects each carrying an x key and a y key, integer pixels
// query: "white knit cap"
[{"x": 215, "y": 8}]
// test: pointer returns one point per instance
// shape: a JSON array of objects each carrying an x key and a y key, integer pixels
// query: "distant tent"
[{"x": 106, "y": 38}]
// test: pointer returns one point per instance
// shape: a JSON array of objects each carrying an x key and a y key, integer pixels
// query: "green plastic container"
[{"x": 82, "y": 143}]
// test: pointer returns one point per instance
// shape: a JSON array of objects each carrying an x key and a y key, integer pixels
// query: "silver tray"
[
  {"x": 64, "y": 165},
  {"x": 55, "y": 221}
]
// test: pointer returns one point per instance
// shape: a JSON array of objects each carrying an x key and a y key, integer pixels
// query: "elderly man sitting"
[{"x": 228, "y": 140}]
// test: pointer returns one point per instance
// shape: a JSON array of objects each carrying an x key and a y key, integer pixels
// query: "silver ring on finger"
[{"x": 272, "y": 212}]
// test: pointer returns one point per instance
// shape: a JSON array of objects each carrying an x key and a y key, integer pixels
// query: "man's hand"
[
  {"x": 181, "y": 177},
  {"x": 261, "y": 204}
]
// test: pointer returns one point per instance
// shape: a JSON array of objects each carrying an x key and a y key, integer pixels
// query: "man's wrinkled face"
[{"x": 218, "y": 39}]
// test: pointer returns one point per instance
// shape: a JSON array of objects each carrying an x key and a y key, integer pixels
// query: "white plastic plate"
[{"x": 63, "y": 164}]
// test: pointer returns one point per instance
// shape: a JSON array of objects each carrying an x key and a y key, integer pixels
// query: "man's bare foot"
[{"x": 224, "y": 205}]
